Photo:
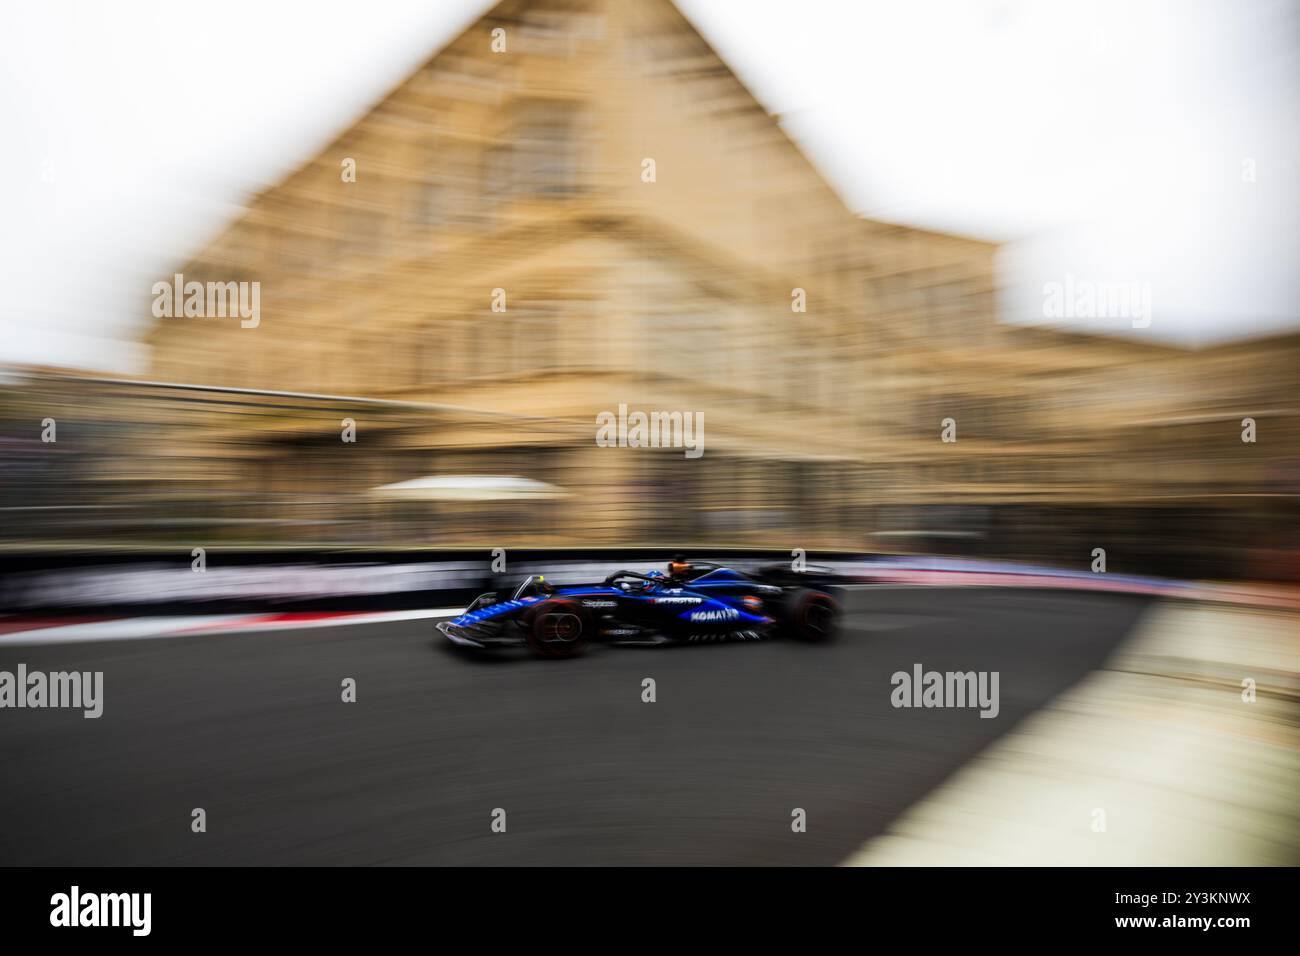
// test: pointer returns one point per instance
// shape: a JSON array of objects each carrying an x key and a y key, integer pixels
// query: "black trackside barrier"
[{"x": 234, "y": 581}]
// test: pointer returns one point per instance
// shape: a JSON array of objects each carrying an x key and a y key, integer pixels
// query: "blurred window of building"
[
  {"x": 457, "y": 168},
  {"x": 361, "y": 232},
  {"x": 498, "y": 175},
  {"x": 471, "y": 342},
  {"x": 546, "y": 141},
  {"x": 425, "y": 204}
]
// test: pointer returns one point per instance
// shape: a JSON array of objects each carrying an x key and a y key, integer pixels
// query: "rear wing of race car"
[{"x": 784, "y": 575}]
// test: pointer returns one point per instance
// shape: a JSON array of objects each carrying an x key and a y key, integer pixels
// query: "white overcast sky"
[{"x": 1104, "y": 139}]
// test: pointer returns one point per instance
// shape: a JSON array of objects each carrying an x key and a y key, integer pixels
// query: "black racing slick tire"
[
  {"x": 558, "y": 628},
  {"x": 811, "y": 616}
]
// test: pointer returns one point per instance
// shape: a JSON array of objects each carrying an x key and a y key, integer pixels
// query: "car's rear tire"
[
  {"x": 558, "y": 628},
  {"x": 811, "y": 616}
]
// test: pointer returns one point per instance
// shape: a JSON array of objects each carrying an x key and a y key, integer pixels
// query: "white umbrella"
[{"x": 468, "y": 488}]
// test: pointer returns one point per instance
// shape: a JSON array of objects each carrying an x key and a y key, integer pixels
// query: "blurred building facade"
[
  {"x": 583, "y": 212},
  {"x": 577, "y": 206}
]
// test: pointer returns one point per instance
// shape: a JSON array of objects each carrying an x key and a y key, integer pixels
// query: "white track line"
[
  {"x": 137, "y": 628},
  {"x": 122, "y": 629}
]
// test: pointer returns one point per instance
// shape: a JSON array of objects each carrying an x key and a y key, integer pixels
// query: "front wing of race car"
[
  {"x": 464, "y": 636},
  {"x": 488, "y": 622}
]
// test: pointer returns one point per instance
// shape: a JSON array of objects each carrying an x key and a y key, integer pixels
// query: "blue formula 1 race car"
[{"x": 690, "y": 603}]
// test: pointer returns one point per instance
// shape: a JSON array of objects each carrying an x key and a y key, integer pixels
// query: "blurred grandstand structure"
[{"x": 515, "y": 169}]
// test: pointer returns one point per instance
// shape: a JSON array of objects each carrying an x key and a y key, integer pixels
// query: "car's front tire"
[{"x": 558, "y": 628}]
